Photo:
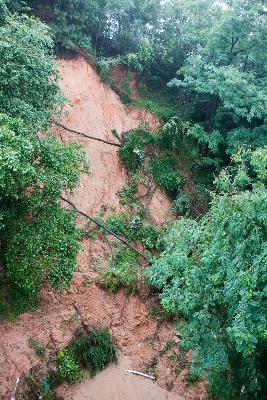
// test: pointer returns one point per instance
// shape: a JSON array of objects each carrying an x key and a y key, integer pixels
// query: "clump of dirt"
[{"x": 95, "y": 109}]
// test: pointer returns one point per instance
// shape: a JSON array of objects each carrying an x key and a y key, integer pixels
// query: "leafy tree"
[
  {"x": 103, "y": 27},
  {"x": 213, "y": 271},
  {"x": 226, "y": 67},
  {"x": 39, "y": 239}
]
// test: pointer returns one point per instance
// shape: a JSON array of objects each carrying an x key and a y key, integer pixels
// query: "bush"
[
  {"x": 213, "y": 272},
  {"x": 134, "y": 229},
  {"x": 182, "y": 205},
  {"x": 103, "y": 67},
  {"x": 173, "y": 134},
  {"x": 163, "y": 169},
  {"x": 132, "y": 150},
  {"x": 69, "y": 369},
  {"x": 123, "y": 272},
  {"x": 95, "y": 350}
]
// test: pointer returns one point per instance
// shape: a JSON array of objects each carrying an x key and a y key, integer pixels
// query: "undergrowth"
[
  {"x": 171, "y": 158},
  {"x": 93, "y": 351},
  {"x": 122, "y": 272},
  {"x": 164, "y": 172},
  {"x": 13, "y": 302}
]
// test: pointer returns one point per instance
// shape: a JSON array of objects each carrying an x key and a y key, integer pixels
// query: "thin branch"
[
  {"x": 106, "y": 229},
  {"x": 15, "y": 390},
  {"x": 85, "y": 135},
  {"x": 140, "y": 373}
]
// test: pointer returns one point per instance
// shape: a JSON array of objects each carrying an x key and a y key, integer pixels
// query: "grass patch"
[
  {"x": 37, "y": 347},
  {"x": 123, "y": 272}
]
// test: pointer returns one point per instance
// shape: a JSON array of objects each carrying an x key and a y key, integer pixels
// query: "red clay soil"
[{"x": 96, "y": 109}]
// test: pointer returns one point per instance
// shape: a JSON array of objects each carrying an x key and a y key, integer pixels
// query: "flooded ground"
[{"x": 116, "y": 384}]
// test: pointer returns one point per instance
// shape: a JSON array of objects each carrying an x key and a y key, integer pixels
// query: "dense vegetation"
[
  {"x": 39, "y": 239},
  {"x": 213, "y": 271},
  {"x": 201, "y": 66}
]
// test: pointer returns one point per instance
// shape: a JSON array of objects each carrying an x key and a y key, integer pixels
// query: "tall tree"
[
  {"x": 227, "y": 67},
  {"x": 213, "y": 272},
  {"x": 39, "y": 239}
]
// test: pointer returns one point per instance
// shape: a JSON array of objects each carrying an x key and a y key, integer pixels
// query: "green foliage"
[
  {"x": 182, "y": 205},
  {"x": 39, "y": 238},
  {"x": 13, "y": 302},
  {"x": 214, "y": 273},
  {"x": 42, "y": 249},
  {"x": 191, "y": 378},
  {"x": 39, "y": 349},
  {"x": 102, "y": 27},
  {"x": 161, "y": 110},
  {"x": 134, "y": 228},
  {"x": 163, "y": 170},
  {"x": 247, "y": 169},
  {"x": 132, "y": 150},
  {"x": 103, "y": 65},
  {"x": 225, "y": 68},
  {"x": 123, "y": 272},
  {"x": 26, "y": 63},
  {"x": 95, "y": 350},
  {"x": 69, "y": 368}
]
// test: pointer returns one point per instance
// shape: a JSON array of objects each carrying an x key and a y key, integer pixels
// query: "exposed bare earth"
[{"x": 96, "y": 110}]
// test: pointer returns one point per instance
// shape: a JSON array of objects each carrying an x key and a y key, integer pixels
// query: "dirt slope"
[{"x": 96, "y": 110}]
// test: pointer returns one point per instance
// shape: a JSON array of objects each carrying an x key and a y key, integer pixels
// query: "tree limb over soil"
[
  {"x": 106, "y": 229},
  {"x": 85, "y": 135}
]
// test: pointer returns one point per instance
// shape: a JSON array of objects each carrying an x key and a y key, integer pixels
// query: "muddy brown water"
[{"x": 116, "y": 384}]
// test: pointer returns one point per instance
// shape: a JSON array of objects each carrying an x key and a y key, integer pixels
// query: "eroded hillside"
[{"x": 96, "y": 109}]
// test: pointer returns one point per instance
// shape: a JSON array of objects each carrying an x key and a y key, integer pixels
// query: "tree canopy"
[
  {"x": 213, "y": 272},
  {"x": 39, "y": 239}
]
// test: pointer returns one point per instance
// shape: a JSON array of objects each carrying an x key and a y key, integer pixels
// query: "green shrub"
[
  {"x": 68, "y": 366},
  {"x": 95, "y": 350},
  {"x": 123, "y": 272},
  {"x": 213, "y": 272},
  {"x": 35, "y": 345},
  {"x": 182, "y": 205},
  {"x": 132, "y": 150},
  {"x": 164, "y": 171},
  {"x": 103, "y": 67},
  {"x": 173, "y": 134},
  {"x": 134, "y": 229},
  {"x": 191, "y": 378}
]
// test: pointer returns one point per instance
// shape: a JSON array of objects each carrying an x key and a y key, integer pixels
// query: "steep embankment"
[{"x": 96, "y": 109}]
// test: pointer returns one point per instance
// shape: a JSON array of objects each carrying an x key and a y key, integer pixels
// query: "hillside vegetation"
[{"x": 200, "y": 66}]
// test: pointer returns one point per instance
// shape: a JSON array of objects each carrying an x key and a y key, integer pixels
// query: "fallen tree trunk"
[
  {"x": 86, "y": 136},
  {"x": 105, "y": 229}
]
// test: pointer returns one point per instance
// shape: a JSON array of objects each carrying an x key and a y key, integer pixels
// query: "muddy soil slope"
[{"x": 96, "y": 109}]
